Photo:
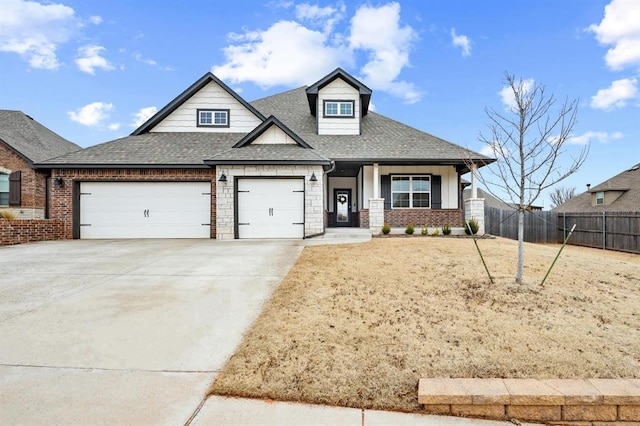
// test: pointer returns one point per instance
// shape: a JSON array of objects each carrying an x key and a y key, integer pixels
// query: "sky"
[{"x": 93, "y": 71}]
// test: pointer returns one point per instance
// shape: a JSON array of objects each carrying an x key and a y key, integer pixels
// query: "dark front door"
[{"x": 342, "y": 207}]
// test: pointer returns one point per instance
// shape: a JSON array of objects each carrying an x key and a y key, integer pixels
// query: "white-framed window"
[
  {"x": 4, "y": 189},
  {"x": 410, "y": 192},
  {"x": 339, "y": 109},
  {"x": 213, "y": 118},
  {"x": 599, "y": 198}
]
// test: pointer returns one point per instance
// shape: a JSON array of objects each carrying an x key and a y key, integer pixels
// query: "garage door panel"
[
  {"x": 270, "y": 208},
  {"x": 145, "y": 210}
]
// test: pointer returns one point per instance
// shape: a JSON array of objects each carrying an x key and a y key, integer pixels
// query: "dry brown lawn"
[{"x": 357, "y": 325}]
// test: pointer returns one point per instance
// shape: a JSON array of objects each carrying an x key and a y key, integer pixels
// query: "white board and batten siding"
[
  {"x": 338, "y": 90},
  {"x": 211, "y": 96},
  {"x": 273, "y": 136},
  {"x": 145, "y": 210}
]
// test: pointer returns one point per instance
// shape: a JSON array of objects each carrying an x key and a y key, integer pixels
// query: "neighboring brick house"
[
  {"x": 621, "y": 193},
  {"x": 23, "y": 142},
  {"x": 212, "y": 165}
]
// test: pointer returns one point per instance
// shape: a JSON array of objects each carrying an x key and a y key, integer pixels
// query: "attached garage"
[
  {"x": 145, "y": 210},
  {"x": 270, "y": 208}
]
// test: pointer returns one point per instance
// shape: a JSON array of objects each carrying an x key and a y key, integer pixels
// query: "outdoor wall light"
[
  {"x": 313, "y": 177},
  {"x": 58, "y": 182},
  {"x": 223, "y": 178}
]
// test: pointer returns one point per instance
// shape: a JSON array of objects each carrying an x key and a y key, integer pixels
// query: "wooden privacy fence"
[
  {"x": 606, "y": 230},
  {"x": 539, "y": 226}
]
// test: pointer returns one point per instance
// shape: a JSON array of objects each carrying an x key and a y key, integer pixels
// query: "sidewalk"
[{"x": 243, "y": 412}]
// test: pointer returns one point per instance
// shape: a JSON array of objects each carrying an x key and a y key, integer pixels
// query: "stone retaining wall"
[
  {"x": 27, "y": 231},
  {"x": 553, "y": 401}
]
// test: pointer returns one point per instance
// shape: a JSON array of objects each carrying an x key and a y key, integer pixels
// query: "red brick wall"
[
  {"x": 27, "y": 231},
  {"x": 32, "y": 193},
  {"x": 61, "y": 200},
  {"x": 419, "y": 217}
]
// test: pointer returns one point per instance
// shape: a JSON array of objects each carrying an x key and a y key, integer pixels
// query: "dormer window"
[
  {"x": 339, "y": 109},
  {"x": 213, "y": 118}
]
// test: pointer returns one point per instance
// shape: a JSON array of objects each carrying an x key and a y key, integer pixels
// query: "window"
[
  {"x": 4, "y": 189},
  {"x": 599, "y": 198},
  {"x": 213, "y": 118},
  {"x": 338, "y": 109},
  {"x": 410, "y": 192}
]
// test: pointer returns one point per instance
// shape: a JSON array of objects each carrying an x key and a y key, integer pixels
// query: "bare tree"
[
  {"x": 561, "y": 195},
  {"x": 528, "y": 140}
]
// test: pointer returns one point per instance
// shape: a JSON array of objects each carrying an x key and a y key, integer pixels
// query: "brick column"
[
  {"x": 376, "y": 215},
  {"x": 474, "y": 209}
]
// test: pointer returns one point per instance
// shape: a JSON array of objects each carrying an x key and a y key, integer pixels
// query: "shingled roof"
[
  {"x": 628, "y": 182},
  {"x": 30, "y": 139}
]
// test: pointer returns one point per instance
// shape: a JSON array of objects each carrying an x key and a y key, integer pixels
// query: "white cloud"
[
  {"x": 138, "y": 57},
  {"x": 378, "y": 31},
  {"x": 620, "y": 28},
  {"x": 95, "y": 20},
  {"x": 617, "y": 95},
  {"x": 113, "y": 126},
  {"x": 602, "y": 137},
  {"x": 508, "y": 97},
  {"x": 93, "y": 114},
  {"x": 289, "y": 52},
  {"x": 325, "y": 17},
  {"x": 143, "y": 115},
  {"x": 461, "y": 41},
  {"x": 35, "y": 30},
  {"x": 89, "y": 59},
  {"x": 286, "y": 53}
]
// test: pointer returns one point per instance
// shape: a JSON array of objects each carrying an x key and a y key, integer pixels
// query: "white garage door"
[
  {"x": 270, "y": 208},
  {"x": 145, "y": 210}
]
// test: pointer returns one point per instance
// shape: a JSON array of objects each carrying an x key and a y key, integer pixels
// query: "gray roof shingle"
[
  {"x": 627, "y": 181},
  {"x": 30, "y": 138}
]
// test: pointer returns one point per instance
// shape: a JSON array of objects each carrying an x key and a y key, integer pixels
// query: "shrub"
[
  {"x": 472, "y": 226},
  {"x": 435, "y": 232},
  {"x": 410, "y": 229},
  {"x": 446, "y": 229},
  {"x": 424, "y": 230},
  {"x": 386, "y": 229},
  {"x": 7, "y": 214}
]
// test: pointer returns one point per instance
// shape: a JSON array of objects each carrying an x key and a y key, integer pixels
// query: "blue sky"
[{"x": 92, "y": 70}]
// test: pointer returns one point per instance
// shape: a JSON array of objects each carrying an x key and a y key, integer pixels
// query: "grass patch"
[{"x": 357, "y": 325}]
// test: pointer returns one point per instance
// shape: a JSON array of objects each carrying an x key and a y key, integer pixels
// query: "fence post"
[
  {"x": 564, "y": 225},
  {"x": 604, "y": 230}
]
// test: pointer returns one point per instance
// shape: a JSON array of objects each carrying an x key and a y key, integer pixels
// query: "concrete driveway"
[{"x": 128, "y": 331}]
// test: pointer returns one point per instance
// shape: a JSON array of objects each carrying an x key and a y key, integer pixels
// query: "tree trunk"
[{"x": 520, "y": 246}]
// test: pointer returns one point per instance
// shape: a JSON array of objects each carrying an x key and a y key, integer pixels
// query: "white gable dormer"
[
  {"x": 208, "y": 105},
  {"x": 338, "y": 101},
  {"x": 339, "y": 109}
]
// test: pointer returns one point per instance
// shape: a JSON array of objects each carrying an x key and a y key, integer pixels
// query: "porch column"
[
  {"x": 474, "y": 187},
  {"x": 376, "y": 204},
  {"x": 376, "y": 179}
]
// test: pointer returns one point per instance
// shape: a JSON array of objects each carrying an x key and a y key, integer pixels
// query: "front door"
[{"x": 342, "y": 207}]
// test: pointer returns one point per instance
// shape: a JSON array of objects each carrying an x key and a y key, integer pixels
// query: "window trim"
[
  {"x": 601, "y": 203},
  {"x": 213, "y": 112},
  {"x": 411, "y": 192},
  {"x": 338, "y": 101},
  {"x": 8, "y": 191}
]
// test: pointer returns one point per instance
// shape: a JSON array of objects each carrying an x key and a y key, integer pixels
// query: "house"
[
  {"x": 621, "y": 193},
  {"x": 24, "y": 142},
  {"x": 489, "y": 200},
  {"x": 212, "y": 165}
]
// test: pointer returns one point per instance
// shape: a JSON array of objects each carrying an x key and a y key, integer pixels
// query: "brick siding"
[
  {"x": 419, "y": 217},
  {"x": 32, "y": 186},
  {"x": 27, "y": 231},
  {"x": 61, "y": 199}
]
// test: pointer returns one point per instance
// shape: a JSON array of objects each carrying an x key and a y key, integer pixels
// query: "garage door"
[
  {"x": 145, "y": 210},
  {"x": 270, "y": 208}
]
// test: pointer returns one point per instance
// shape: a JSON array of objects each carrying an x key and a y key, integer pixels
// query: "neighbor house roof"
[
  {"x": 627, "y": 182},
  {"x": 489, "y": 200},
  {"x": 30, "y": 139}
]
